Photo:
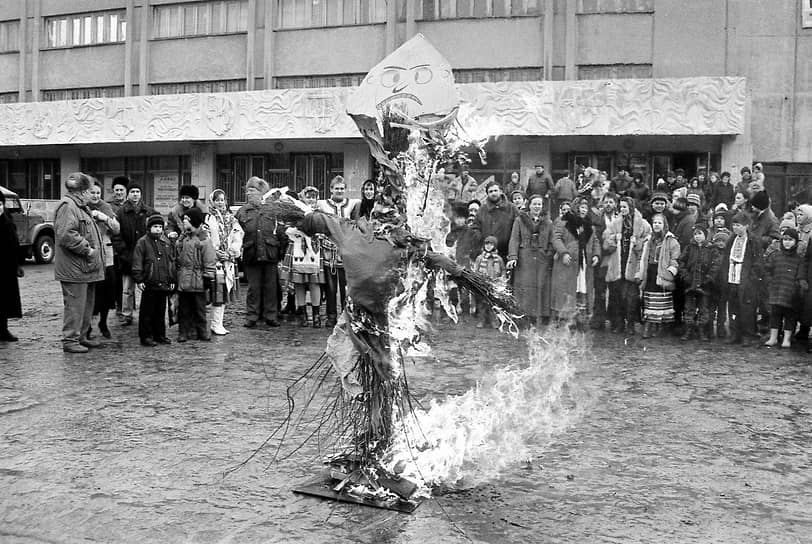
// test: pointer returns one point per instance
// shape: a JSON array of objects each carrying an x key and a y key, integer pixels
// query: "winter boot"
[
  {"x": 217, "y": 327},
  {"x": 646, "y": 330},
  {"x": 787, "y": 339},
  {"x": 689, "y": 332},
  {"x": 773, "y": 340}
]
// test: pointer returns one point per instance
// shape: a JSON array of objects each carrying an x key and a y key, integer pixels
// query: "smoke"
[{"x": 467, "y": 439}]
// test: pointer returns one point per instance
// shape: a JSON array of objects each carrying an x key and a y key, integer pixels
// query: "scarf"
[
  {"x": 581, "y": 229},
  {"x": 225, "y": 224},
  {"x": 734, "y": 271}
]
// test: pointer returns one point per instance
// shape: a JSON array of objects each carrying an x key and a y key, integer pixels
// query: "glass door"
[{"x": 312, "y": 169}]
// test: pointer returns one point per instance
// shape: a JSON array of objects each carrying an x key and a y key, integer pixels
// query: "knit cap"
[
  {"x": 491, "y": 239},
  {"x": 154, "y": 219},
  {"x": 195, "y": 216},
  {"x": 693, "y": 198},
  {"x": 786, "y": 224},
  {"x": 659, "y": 196},
  {"x": 760, "y": 200}
]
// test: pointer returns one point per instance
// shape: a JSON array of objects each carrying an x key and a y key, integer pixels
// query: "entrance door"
[{"x": 312, "y": 169}]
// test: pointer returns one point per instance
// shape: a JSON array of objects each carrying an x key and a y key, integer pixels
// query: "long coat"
[
  {"x": 667, "y": 266},
  {"x": 783, "y": 271},
  {"x": 9, "y": 287},
  {"x": 132, "y": 220},
  {"x": 531, "y": 246},
  {"x": 752, "y": 267},
  {"x": 195, "y": 261},
  {"x": 641, "y": 231},
  {"x": 565, "y": 277},
  {"x": 76, "y": 234}
]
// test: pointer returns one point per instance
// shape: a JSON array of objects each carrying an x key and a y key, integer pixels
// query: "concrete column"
[
  {"x": 571, "y": 41},
  {"x": 35, "y": 46},
  {"x": 143, "y": 52},
  {"x": 203, "y": 168},
  {"x": 69, "y": 162},
  {"x": 268, "y": 43},
  {"x": 250, "y": 61},
  {"x": 534, "y": 150},
  {"x": 547, "y": 39},
  {"x": 357, "y": 168},
  {"x": 737, "y": 150},
  {"x": 128, "y": 49},
  {"x": 23, "y": 37},
  {"x": 411, "y": 18}
]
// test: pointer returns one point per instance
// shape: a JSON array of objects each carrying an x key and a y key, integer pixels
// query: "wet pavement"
[{"x": 676, "y": 442}]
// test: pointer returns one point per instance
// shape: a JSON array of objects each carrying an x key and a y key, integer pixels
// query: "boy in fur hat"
[
  {"x": 490, "y": 264},
  {"x": 196, "y": 264},
  {"x": 154, "y": 271}
]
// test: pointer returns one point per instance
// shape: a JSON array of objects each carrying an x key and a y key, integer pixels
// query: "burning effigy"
[{"x": 355, "y": 401}]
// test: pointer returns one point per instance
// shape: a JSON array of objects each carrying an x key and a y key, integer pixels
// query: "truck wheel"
[{"x": 44, "y": 249}]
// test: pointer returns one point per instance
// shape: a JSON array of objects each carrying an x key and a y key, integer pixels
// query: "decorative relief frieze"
[{"x": 702, "y": 105}]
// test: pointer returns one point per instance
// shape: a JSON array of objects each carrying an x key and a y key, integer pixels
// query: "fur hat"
[
  {"x": 259, "y": 184},
  {"x": 195, "y": 216},
  {"x": 491, "y": 239},
  {"x": 133, "y": 185},
  {"x": 77, "y": 182},
  {"x": 694, "y": 199},
  {"x": 659, "y": 196},
  {"x": 154, "y": 219},
  {"x": 760, "y": 200},
  {"x": 121, "y": 180},
  {"x": 792, "y": 233},
  {"x": 190, "y": 191},
  {"x": 741, "y": 218}
]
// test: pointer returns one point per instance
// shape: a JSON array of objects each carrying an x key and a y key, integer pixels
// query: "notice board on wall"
[{"x": 165, "y": 192}]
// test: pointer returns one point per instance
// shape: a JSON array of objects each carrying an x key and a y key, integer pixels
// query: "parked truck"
[{"x": 34, "y": 231}]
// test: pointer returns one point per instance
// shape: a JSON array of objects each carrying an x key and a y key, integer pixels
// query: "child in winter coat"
[
  {"x": 785, "y": 272},
  {"x": 490, "y": 264},
  {"x": 196, "y": 264},
  {"x": 153, "y": 270},
  {"x": 698, "y": 264}
]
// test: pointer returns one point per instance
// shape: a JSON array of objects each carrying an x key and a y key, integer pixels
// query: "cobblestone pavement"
[{"x": 678, "y": 442}]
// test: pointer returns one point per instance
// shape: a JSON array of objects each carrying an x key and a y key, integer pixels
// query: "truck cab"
[{"x": 34, "y": 233}]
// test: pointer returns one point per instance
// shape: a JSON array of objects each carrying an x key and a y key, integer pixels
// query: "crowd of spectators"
[{"x": 700, "y": 258}]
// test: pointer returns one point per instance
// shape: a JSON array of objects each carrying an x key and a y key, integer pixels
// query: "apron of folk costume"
[{"x": 658, "y": 306}]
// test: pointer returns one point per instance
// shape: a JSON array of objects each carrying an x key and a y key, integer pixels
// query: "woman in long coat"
[
  {"x": 530, "y": 256},
  {"x": 10, "y": 270},
  {"x": 105, "y": 299},
  {"x": 577, "y": 252}
]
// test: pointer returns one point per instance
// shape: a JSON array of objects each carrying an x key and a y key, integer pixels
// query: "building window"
[
  {"x": 86, "y": 29},
  {"x": 31, "y": 178},
  {"x": 460, "y": 9},
  {"x": 9, "y": 36},
  {"x": 498, "y": 74},
  {"x": 314, "y": 82},
  {"x": 160, "y": 177},
  {"x": 319, "y": 13},
  {"x": 616, "y": 6},
  {"x": 223, "y": 86},
  {"x": 615, "y": 71},
  {"x": 9, "y": 98},
  {"x": 200, "y": 19},
  {"x": 81, "y": 94}
]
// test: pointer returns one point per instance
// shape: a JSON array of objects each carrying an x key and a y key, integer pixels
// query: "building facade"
[{"x": 213, "y": 92}]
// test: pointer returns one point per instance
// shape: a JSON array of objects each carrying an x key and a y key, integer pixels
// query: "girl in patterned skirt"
[{"x": 658, "y": 269}]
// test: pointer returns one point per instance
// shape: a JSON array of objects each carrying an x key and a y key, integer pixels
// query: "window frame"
[
  {"x": 203, "y": 11},
  {"x": 347, "y": 8},
  {"x": 443, "y": 10},
  {"x": 5, "y": 36},
  {"x": 81, "y": 29}
]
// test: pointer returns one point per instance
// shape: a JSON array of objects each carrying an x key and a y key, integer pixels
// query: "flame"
[{"x": 470, "y": 438}]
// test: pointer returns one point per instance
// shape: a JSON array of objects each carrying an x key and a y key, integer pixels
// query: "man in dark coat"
[
  {"x": 10, "y": 270},
  {"x": 132, "y": 216},
  {"x": 79, "y": 262},
  {"x": 263, "y": 246},
  {"x": 763, "y": 230},
  {"x": 495, "y": 218},
  {"x": 540, "y": 184}
]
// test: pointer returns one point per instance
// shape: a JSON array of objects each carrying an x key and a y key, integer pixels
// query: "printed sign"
[{"x": 165, "y": 192}]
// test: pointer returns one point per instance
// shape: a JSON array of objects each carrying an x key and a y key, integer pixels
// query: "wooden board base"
[{"x": 323, "y": 488}]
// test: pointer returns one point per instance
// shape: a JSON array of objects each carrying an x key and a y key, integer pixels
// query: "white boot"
[{"x": 217, "y": 313}]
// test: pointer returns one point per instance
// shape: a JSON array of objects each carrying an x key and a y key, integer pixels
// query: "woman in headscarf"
[
  {"x": 530, "y": 255},
  {"x": 108, "y": 225},
  {"x": 226, "y": 236},
  {"x": 10, "y": 270},
  {"x": 656, "y": 275},
  {"x": 577, "y": 252},
  {"x": 364, "y": 208}
]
